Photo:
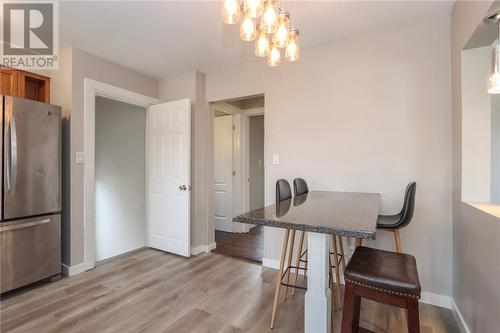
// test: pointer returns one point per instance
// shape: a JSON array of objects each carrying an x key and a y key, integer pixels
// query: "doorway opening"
[
  {"x": 120, "y": 177},
  {"x": 238, "y": 175}
]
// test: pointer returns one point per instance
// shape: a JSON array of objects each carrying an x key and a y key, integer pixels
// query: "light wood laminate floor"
[{"x": 152, "y": 291}]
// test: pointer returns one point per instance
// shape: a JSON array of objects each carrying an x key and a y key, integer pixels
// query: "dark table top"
[{"x": 349, "y": 214}]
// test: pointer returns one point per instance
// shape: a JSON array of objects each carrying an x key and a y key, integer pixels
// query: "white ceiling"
[{"x": 168, "y": 37}]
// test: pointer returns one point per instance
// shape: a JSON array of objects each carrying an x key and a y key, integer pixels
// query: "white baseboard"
[
  {"x": 73, "y": 270},
  {"x": 202, "y": 248},
  {"x": 271, "y": 263},
  {"x": 427, "y": 297},
  {"x": 459, "y": 318},
  {"x": 436, "y": 299}
]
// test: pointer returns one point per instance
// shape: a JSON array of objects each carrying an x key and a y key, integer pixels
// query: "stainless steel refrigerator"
[{"x": 30, "y": 228}]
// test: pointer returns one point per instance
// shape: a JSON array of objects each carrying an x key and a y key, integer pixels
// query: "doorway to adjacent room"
[{"x": 239, "y": 173}]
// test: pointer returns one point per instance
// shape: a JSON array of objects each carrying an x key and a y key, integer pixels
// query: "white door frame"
[
  {"x": 238, "y": 185},
  {"x": 244, "y": 169},
  {"x": 246, "y": 151},
  {"x": 92, "y": 89}
]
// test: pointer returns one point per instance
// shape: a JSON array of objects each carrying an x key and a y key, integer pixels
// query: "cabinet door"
[
  {"x": 8, "y": 83},
  {"x": 33, "y": 86}
]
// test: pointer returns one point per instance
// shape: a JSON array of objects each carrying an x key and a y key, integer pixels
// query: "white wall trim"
[
  {"x": 222, "y": 106},
  {"x": 254, "y": 112},
  {"x": 271, "y": 263},
  {"x": 227, "y": 108},
  {"x": 202, "y": 248},
  {"x": 245, "y": 143},
  {"x": 427, "y": 297},
  {"x": 459, "y": 318},
  {"x": 73, "y": 270},
  {"x": 92, "y": 89},
  {"x": 436, "y": 299}
]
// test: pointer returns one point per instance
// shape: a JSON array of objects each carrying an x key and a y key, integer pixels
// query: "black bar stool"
[{"x": 395, "y": 222}]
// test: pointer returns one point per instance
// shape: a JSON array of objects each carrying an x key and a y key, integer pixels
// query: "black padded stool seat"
[
  {"x": 390, "y": 272},
  {"x": 382, "y": 276}
]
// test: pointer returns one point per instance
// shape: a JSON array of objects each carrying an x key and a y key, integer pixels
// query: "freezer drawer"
[{"x": 30, "y": 250}]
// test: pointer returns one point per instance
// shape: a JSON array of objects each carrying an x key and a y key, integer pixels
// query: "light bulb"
[
  {"x": 247, "y": 29},
  {"x": 254, "y": 8},
  {"x": 494, "y": 79},
  {"x": 230, "y": 11},
  {"x": 262, "y": 45},
  {"x": 269, "y": 19},
  {"x": 281, "y": 34},
  {"x": 494, "y": 84},
  {"x": 292, "y": 49},
  {"x": 274, "y": 58}
]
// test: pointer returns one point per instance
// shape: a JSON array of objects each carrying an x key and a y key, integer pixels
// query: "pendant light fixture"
[
  {"x": 254, "y": 8},
  {"x": 281, "y": 36},
  {"x": 247, "y": 28},
  {"x": 269, "y": 21},
  {"x": 274, "y": 58},
  {"x": 292, "y": 49},
  {"x": 262, "y": 45},
  {"x": 275, "y": 31},
  {"x": 494, "y": 79},
  {"x": 230, "y": 11}
]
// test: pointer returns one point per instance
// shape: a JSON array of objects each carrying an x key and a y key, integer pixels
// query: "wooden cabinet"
[
  {"x": 24, "y": 84},
  {"x": 8, "y": 83}
]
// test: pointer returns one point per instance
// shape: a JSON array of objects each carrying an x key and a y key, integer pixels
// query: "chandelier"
[{"x": 274, "y": 32}]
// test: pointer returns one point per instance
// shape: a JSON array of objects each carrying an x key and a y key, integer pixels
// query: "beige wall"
[
  {"x": 476, "y": 263},
  {"x": 192, "y": 85},
  {"x": 76, "y": 65},
  {"x": 476, "y": 125},
  {"x": 61, "y": 94},
  {"x": 256, "y": 147},
  {"x": 373, "y": 113},
  {"x": 495, "y": 149},
  {"x": 120, "y": 177}
]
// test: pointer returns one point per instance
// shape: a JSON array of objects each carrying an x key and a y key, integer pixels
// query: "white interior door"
[
  {"x": 169, "y": 152},
  {"x": 223, "y": 173}
]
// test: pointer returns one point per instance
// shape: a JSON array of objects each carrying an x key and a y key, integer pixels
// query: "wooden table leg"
[
  {"x": 297, "y": 262},
  {"x": 290, "y": 255},
  {"x": 342, "y": 253},
  {"x": 359, "y": 242},
  {"x": 317, "y": 305},
  {"x": 278, "y": 278},
  {"x": 337, "y": 269}
]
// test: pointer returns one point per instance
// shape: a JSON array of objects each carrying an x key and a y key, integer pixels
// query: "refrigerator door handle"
[
  {"x": 8, "y": 157},
  {"x": 24, "y": 225},
  {"x": 13, "y": 157}
]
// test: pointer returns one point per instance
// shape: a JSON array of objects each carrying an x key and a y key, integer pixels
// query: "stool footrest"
[
  {"x": 289, "y": 284},
  {"x": 339, "y": 257}
]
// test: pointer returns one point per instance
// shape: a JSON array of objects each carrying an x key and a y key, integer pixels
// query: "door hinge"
[
  {"x": 234, "y": 173},
  {"x": 234, "y": 127}
]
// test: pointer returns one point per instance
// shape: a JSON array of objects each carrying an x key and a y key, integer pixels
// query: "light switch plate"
[
  {"x": 80, "y": 157},
  {"x": 276, "y": 158}
]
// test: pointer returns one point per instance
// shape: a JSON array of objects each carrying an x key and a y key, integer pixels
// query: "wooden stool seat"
[{"x": 382, "y": 276}]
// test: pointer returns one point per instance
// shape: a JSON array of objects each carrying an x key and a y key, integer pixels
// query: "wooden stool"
[
  {"x": 283, "y": 276},
  {"x": 382, "y": 276}
]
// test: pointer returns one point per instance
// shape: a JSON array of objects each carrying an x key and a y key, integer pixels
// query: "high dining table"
[{"x": 321, "y": 214}]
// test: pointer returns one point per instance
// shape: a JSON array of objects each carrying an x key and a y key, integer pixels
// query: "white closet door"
[{"x": 169, "y": 151}]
